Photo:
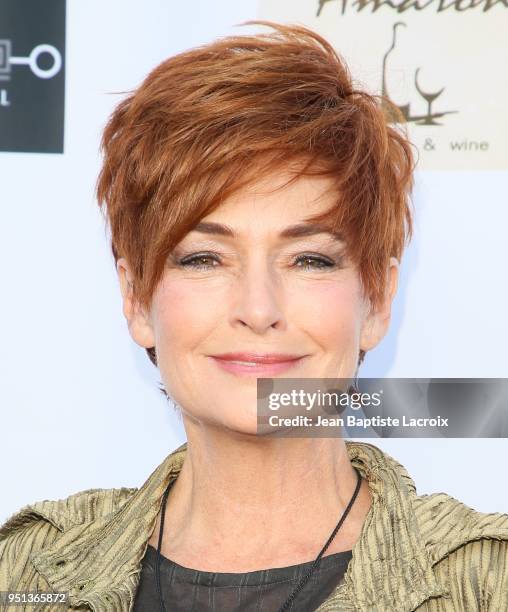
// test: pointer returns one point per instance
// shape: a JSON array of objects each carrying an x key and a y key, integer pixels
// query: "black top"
[{"x": 189, "y": 590}]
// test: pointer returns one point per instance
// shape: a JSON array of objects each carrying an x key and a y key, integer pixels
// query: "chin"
[{"x": 230, "y": 417}]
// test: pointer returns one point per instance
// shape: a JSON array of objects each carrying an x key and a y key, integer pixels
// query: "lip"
[
  {"x": 265, "y": 364},
  {"x": 258, "y": 357}
]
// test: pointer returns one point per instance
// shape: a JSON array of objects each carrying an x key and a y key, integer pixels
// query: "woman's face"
[{"x": 242, "y": 282}]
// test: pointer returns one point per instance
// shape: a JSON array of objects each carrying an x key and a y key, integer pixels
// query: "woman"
[{"x": 258, "y": 206}]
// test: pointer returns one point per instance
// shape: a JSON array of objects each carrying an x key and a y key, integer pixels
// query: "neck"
[{"x": 242, "y": 503}]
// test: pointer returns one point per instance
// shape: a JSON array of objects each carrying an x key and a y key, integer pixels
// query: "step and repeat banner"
[
  {"x": 69, "y": 371},
  {"x": 440, "y": 61},
  {"x": 32, "y": 76}
]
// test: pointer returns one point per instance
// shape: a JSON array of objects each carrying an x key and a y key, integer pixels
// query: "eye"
[
  {"x": 200, "y": 261},
  {"x": 314, "y": 262},
  {"x": 206, "y": 261}
]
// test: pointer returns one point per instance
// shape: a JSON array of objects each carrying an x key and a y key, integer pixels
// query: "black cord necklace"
[{"x": 287, "y": 604}]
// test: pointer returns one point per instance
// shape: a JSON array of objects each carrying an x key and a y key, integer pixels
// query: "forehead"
[
  {"x": 281, "y": 187},
  {"x": 275, "y": 200}
]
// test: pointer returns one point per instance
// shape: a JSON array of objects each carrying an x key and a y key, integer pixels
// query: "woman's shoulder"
[
  {"x": 446, "y": 523},
  {"x": 75, "y": 509},
  {"x": 443, "y": 523},
  {"x": 39, "y": 524},
  {"x": 467, "y": 548}
]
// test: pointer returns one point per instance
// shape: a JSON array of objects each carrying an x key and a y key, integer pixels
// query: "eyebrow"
[{"x": 293, "y": 231}]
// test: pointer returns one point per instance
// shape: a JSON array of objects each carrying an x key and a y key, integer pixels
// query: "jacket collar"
[{"x": 390, "y": 568}]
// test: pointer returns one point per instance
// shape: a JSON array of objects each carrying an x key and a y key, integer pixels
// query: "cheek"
[
  {"x": 182, "y": 317},
  {"x": 331, "y": 311}
]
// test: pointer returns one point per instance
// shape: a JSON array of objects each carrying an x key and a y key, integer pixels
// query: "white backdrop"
[{"x": 79, "y": 400}]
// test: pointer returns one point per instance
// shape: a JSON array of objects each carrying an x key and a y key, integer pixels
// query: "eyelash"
[{"x": 188, "y": 261}]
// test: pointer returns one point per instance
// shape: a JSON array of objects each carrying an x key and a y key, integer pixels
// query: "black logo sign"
[{"x": 32, "y": 75}]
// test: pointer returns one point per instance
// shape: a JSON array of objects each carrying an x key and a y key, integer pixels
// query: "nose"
[{"x": 257, "y": 299}]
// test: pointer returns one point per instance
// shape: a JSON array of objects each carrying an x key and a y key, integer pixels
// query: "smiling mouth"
[
  {"x": 249, "y": 363},
  {"x": 256, "y": 358},
  {"x": 263, "y": 366}
]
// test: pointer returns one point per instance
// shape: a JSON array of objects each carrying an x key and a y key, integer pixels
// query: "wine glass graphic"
[{"x": 430, "y": 97}]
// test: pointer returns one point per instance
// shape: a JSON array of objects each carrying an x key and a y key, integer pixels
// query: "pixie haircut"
[{"x": 211, "y": 120}]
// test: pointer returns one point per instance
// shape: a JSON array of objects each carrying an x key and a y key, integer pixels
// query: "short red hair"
[{"x": 206, "y": 122}]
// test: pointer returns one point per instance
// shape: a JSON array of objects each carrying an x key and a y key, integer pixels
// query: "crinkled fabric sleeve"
[
  {"x": 19, "y": 538},
  {"x": 496, "y": 575}
]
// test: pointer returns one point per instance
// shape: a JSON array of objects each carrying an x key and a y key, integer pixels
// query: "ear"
[
  {"x": 138, "y": 321},
  {"x": 376, "y": 322}
]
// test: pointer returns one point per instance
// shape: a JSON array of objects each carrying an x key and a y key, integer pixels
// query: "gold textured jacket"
[{"x": 428, "y": 553}]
